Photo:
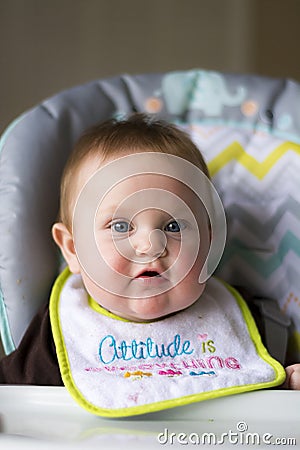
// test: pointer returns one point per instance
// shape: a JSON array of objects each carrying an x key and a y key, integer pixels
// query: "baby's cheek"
[
  {"x": 92, "y": 288},
  {"x": 190, "y": 284},
  {"x": 117, "y": 263},
  {"x": 189, "y": 265},
  {"x": 187, "y": 292}
]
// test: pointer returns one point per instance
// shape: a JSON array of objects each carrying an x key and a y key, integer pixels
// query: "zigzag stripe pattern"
[
  {"x": 235, "y": 152},
  {"x": 242, "y": 187},
  {"x": 283, "y": 286},
  {"x": 255, "y": 226},
  {"x": 264, "y": 266},
  {"x": 279, "y": 284},
  {"x": 262, "y": 203}
]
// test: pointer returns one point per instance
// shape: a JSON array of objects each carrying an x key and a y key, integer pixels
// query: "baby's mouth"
[
  {"x": 149, "y": 274},
  {"x": 151, "y": 279}
]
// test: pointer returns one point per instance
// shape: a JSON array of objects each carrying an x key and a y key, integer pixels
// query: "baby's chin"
[
  {"x": 148, "y": 309},
  {"x": 153, "y": 308}
]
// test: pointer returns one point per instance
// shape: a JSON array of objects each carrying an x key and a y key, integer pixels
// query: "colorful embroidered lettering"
[
  {"x": 191, "y": 364},
  {"x": 232, "y": 363},
  {"x": 110, "y": 350},
  {"x": 208, "y": 346},
  {"x": 203, "y": 373},
  {"x": 211, "y": 362},
  {"x": 170, "y": 372},
  {"x": 138, "y": 373}
]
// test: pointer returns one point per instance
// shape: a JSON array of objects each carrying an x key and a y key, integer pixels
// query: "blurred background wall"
[{"x": 49, "y": 45}]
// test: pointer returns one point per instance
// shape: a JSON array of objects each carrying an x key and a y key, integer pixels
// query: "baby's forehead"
[
  {"x": 139, "y": 190},
  {"x": 148, "y": 192},
  {"x": 93, "y": 164}
]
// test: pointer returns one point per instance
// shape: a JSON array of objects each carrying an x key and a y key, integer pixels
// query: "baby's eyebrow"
[
  {"x": 109, "y": 210},
  {"x": 109, "y": 213},
  {"x": 105, "y": 214}
]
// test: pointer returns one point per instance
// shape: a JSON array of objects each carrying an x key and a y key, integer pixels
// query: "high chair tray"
[{"x": 33, "y": 417}]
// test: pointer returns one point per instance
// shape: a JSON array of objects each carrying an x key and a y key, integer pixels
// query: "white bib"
[{"x": 114, "y": 367}]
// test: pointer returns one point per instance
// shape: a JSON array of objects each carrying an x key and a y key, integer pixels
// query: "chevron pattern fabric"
[{"x": 257, "y": 177}]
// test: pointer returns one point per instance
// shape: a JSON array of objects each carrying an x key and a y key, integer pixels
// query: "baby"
[
  {"x": 136, "y": 232},
  {"x": 135, "y": 300}
]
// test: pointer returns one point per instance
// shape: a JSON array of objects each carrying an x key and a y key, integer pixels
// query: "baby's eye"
[
  {"x": 121, "y": 226},
  {"x": 175, "y": 226}
]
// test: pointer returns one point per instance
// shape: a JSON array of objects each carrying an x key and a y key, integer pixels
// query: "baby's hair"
[{"x": 113, "y": 138}]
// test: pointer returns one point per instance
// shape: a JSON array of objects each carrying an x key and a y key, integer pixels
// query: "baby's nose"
[{"x": 151, "y": 243}]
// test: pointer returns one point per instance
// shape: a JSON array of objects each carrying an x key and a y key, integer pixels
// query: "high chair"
[{"x": 248, "y": 129}]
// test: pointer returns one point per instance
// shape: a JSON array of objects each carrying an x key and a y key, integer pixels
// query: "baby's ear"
[{"x": 64, "y": 239}]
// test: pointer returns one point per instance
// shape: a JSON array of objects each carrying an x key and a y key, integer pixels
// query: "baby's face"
[{"x": 147, "y": 228}]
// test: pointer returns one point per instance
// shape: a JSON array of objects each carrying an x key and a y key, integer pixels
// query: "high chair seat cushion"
[{"x": 248, "y": 129}]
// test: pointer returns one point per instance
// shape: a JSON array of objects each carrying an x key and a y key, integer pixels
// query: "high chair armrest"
[{"x": 274, "y": 327}]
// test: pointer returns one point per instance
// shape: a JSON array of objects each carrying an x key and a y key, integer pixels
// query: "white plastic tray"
[{"x": 33, "y": 417}]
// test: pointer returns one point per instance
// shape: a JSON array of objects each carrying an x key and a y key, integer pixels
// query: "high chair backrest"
[{"x": 248, "y": 129}]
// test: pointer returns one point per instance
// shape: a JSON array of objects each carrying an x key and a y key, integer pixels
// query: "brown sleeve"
[{"x": 34, "y": 361}]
